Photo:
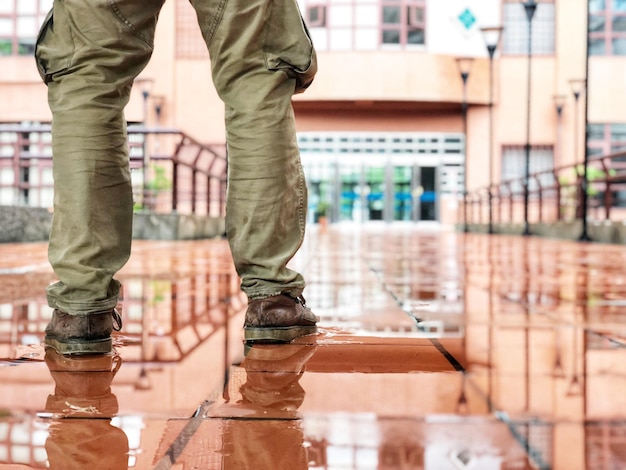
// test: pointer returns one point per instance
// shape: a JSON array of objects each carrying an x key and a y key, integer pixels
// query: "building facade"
[{"x": 387, "y": 127}]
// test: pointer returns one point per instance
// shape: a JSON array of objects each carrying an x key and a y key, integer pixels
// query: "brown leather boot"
[
  {"x": 82, "y": 334},
  {"x": 278, "y": 319}
]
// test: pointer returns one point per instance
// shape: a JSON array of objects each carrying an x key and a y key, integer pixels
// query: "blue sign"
[{"x": 467, "y": 19}]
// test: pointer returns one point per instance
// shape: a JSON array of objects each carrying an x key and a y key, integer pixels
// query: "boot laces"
[
  {"x": 297, "y": 299},
  {"x": 117, "y": 320}
]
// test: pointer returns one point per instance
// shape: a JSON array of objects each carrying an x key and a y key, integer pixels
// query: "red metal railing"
[
  {"x": 554, "y": 195},
  {"x": 171, "y": 171}
]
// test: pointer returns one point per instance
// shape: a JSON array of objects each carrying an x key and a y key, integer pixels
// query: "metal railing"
[
  {"x": 554, "y": 195},
  {"x": 171, "y": 172}
]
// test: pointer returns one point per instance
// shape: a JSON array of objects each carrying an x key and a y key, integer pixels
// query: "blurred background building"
[{"x": 407, "y": 92}]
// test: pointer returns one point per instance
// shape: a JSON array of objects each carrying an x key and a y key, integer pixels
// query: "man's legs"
[
  {"x": 89, "y": 54},
  {"x": 258, "y": 49}
]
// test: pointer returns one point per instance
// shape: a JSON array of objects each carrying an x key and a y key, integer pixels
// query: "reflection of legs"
[
  {"x": 80, "y": 444},
  {"x": 273, "y": 374},
  {"x": 264, "y": 444},
  {"x": 92, "y": 224},
  {"x": 272, "y": 383}
]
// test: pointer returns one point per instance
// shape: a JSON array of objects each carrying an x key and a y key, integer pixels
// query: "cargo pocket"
[
  {"x": 288, "y": 46},
  {"x": 54, "y": 49},
  {"x": 139, "y": 17}
]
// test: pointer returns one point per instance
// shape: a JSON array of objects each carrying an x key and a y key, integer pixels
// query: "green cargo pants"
[{"x": 89, "y": 53}]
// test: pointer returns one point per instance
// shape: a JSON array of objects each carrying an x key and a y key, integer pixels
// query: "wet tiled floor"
[{"x": 437, "y": 350}]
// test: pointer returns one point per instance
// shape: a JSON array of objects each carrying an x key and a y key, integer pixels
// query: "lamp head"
[
  {"x": 491, "y": 35},
  {"x": 464, "y": 64}
]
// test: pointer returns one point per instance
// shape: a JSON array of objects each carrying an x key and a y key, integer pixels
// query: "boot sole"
[
  {"x": 277, "y": 334},
  {"x": 102, "y": 346}
]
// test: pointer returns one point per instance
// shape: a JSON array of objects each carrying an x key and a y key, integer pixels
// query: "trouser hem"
[
  {"x": 264, "y": 294},
  {"x": 82, "y": 308}
]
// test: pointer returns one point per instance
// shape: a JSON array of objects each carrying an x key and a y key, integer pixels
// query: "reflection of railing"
[
  {"x": 168, "y": 325},
  {"x": 171, "y": 171},
  {"x": 556, "y": 194},
  {"x": 22, "y": 441},
  {"x": 172, "y": 302},
  {"x": 23, "y": 438}
]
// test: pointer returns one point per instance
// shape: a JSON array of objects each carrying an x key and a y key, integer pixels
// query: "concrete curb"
[{"x": 32, "y": 224}]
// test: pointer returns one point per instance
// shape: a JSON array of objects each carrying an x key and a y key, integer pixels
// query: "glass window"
[
  {"x": 316, "y": 16},
  {"x": 19, "y": 25},
  {"x": 27, "y": 7},
  {"x": 597, "y": 24},
  {"x": 403, "y": 22},
  {"x": 6, "y": 7},
  {"x": 366, "y": 15},
  {"x": 340, "y": 16},
  {"x": 415, "y": 36},
  {"x": 515, "y": 33},
  {"x": 415, "y": 15},
  {"x": 595, "y": 132},
  {"x": 541, "y": 159},
  {"x": 391, "y": 15},
  {"x": 7, "y": 26},
  {"x": 618, "y": 132},
  {"x": 619, "y": 23},
  {"x": 604, "y": 139},
  {"x": 607, "y": 27},
  {"x": 6, "y": 47},
  {"x": 391, "y": 37},
  {"x": 596, "y": 5},
  {"x": 619, "y": 46},
  {"x": 343, "y": 25},
  {"x": 596, "y": 46}
]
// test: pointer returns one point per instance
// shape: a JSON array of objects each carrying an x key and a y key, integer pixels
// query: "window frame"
[
  {"x": 14, "y": 40},
  {"x": 518, "y": 151},
  {"x": 321, "y": 20},
  {"x": 607, "y": 145},
  {"x": 514, "y": 48},
  {"x": 407, "y": 24},
  {"x": 608, "y": 35}
]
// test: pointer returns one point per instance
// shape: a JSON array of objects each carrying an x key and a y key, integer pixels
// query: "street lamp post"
[
  {"x": 491, "y": 35},
  {"x": 464, "y": 65},
  {"x": 559, "y": 103},
  {"x": 530, "y": 6},
  {"x": 578, "y": 86},
  {"x": 145, "y": 86}
]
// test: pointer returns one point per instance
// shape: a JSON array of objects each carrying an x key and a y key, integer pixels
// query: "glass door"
[
  {"x": 403, "y": 184},
  {"x": 375, "y": 187},
  {"x": 350, "y": 204},
  {"x": 320, "y": 185},
  {"x": 428, "y": 196}
]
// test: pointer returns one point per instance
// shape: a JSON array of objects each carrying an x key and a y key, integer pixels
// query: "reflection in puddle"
[
  {"x": 436, "y": 350},
  {"x": 80, "y": 431}
]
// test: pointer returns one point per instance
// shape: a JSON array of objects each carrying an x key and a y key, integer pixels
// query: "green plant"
[
  {"x": 159, "y": 181},
  {"x": 593, "y": 174},
  {"x": 322, "y": 209}
]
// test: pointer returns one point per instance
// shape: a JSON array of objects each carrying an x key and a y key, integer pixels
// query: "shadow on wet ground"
[{"x": 436, "y": 350}]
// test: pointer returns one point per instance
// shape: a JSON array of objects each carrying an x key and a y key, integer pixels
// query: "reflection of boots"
[
  {"x": 272, "y": 437},
  {"x": 273, "y": 373},
  {"x": 83, "y": 390},
  {"x": 83, "y": 385}
]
